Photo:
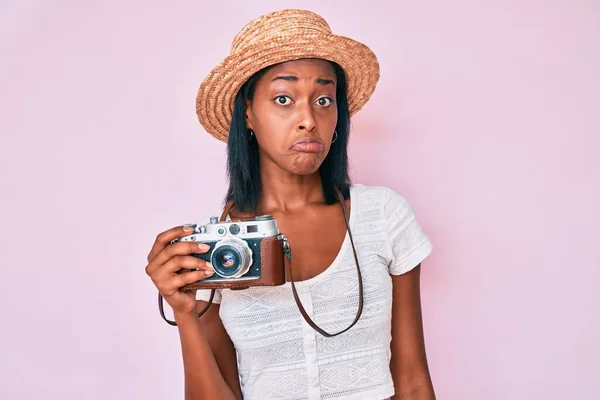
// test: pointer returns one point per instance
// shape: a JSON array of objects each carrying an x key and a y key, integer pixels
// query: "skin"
[{"x": 293, "y": 101}]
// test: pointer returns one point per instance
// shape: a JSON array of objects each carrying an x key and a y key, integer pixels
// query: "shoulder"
[
  {"x": 387, "y": 205},
  {"x": 384, "y": 196},
  {"x": 407, "y": 243}
]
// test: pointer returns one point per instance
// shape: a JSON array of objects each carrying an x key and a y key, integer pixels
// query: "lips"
[{"x": 308, "y": 145}]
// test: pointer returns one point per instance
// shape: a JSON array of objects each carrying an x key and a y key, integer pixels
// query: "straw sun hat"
[{"x": 275, "y": 38}]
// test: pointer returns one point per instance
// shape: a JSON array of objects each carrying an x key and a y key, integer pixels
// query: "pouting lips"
[{"x": 308, "y": 145}]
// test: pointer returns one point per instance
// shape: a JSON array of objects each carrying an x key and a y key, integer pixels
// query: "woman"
[{"x": 282, "y": 100}]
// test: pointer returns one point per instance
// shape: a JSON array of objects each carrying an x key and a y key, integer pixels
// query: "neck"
[{"x": 282, "y": 191}]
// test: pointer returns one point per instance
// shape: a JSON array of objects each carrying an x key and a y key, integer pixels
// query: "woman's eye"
[
  {"x": 324, "y": 101},
  {"x": 283, "y": 100}
]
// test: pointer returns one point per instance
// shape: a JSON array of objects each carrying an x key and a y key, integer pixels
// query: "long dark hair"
[{"x": 242, "y": 152}]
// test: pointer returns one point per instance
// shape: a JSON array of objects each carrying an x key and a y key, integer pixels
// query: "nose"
[{"x": 306, "y": 119}]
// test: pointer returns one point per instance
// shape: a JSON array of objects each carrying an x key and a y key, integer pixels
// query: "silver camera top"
[{"x": 259, "y": 227}]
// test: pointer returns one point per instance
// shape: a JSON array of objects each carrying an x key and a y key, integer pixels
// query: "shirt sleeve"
[
  {"x": 409, "y": 244},
  {"x": 204, "y": 295}
]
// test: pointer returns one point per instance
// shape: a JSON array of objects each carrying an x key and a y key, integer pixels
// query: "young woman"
[{"x": 283, "y": 100}]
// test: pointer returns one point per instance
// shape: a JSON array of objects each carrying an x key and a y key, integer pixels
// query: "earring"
[
  {"x": 251, "y": 133},
  {"x": 335, "y": 135}
]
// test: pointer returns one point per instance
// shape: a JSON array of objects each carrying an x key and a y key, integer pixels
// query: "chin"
[
  {"x": 305, "y": 166},
  {"x": 305, "y": 172}
]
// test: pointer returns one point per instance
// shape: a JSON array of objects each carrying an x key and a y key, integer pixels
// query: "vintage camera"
[{"x": 243, "y": 253}]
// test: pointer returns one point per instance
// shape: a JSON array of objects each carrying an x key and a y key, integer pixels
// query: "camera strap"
[{"x": 288, "y": 264}]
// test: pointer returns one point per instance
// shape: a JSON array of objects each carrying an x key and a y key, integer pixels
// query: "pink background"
[{"x": 487, "y": 118}]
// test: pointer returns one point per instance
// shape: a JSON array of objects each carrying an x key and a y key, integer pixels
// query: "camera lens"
[
  {"x": 231, "y": 258},
  {"x": 228, "y": 259}
]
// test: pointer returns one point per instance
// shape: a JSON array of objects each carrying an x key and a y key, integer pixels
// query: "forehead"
[{"x": 316, "y": 68}]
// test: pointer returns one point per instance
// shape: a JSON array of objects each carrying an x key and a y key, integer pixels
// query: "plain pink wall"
[{"x": 487, "y": 118}]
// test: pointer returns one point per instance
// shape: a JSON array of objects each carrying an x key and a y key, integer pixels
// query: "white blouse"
[{"x": 281, "y": 357}]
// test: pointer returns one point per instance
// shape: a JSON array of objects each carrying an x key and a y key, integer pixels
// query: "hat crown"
[{"x": 280, "y": 26}]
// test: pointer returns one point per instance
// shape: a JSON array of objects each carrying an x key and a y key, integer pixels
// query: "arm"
[
  {"x": 209, "y": 360},
  {"x": 410, "y": 371}
]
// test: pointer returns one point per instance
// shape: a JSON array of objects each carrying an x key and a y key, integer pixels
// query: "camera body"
[{"x": 243, "y": 253}]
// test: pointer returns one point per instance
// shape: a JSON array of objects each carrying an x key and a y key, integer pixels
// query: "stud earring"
[{"x": 251, "y": 134}]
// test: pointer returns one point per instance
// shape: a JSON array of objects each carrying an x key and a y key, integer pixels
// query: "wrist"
[{"x": 186, "y": 317}]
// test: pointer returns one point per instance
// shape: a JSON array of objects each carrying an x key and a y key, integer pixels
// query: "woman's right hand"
[{"x": 165, "y": 260}]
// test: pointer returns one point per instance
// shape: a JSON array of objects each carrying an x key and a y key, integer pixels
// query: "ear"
[{"x": 248, "y": 114}]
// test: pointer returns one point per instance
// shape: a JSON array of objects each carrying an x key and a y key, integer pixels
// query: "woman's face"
[{"x": 294, "y": 114}]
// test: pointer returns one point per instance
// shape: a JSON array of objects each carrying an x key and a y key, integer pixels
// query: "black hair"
[{"x": 242, "y": 150}]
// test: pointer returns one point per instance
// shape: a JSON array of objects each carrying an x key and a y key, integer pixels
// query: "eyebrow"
[{"x": 290, "y": 78}]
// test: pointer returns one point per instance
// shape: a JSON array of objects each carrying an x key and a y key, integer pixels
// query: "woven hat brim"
[{"x": 214, "y": 103}]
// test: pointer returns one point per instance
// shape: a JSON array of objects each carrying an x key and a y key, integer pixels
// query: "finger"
[
  {"x": 186, "y": 262},
  {"x": 190, "y": 277},
  {"x": 179, "y": 249},
  {"x": 178, "y": 263},
  {"x": 166, "y": 237},
  {"x": 175, "y": 250},
  {"x": 172, "y": 285}
]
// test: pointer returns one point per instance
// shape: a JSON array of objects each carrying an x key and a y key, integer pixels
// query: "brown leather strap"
[
  {"x": 360, "y": 285},
  {"x": 161, "y": 307}
]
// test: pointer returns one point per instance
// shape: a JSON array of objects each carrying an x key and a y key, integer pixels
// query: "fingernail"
[
  {"x": 188, "y": 228},
  {"x": 203, "y": 246},
  {"x": 209, "y": 265},
  {"x": 209, "y": 272}
]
